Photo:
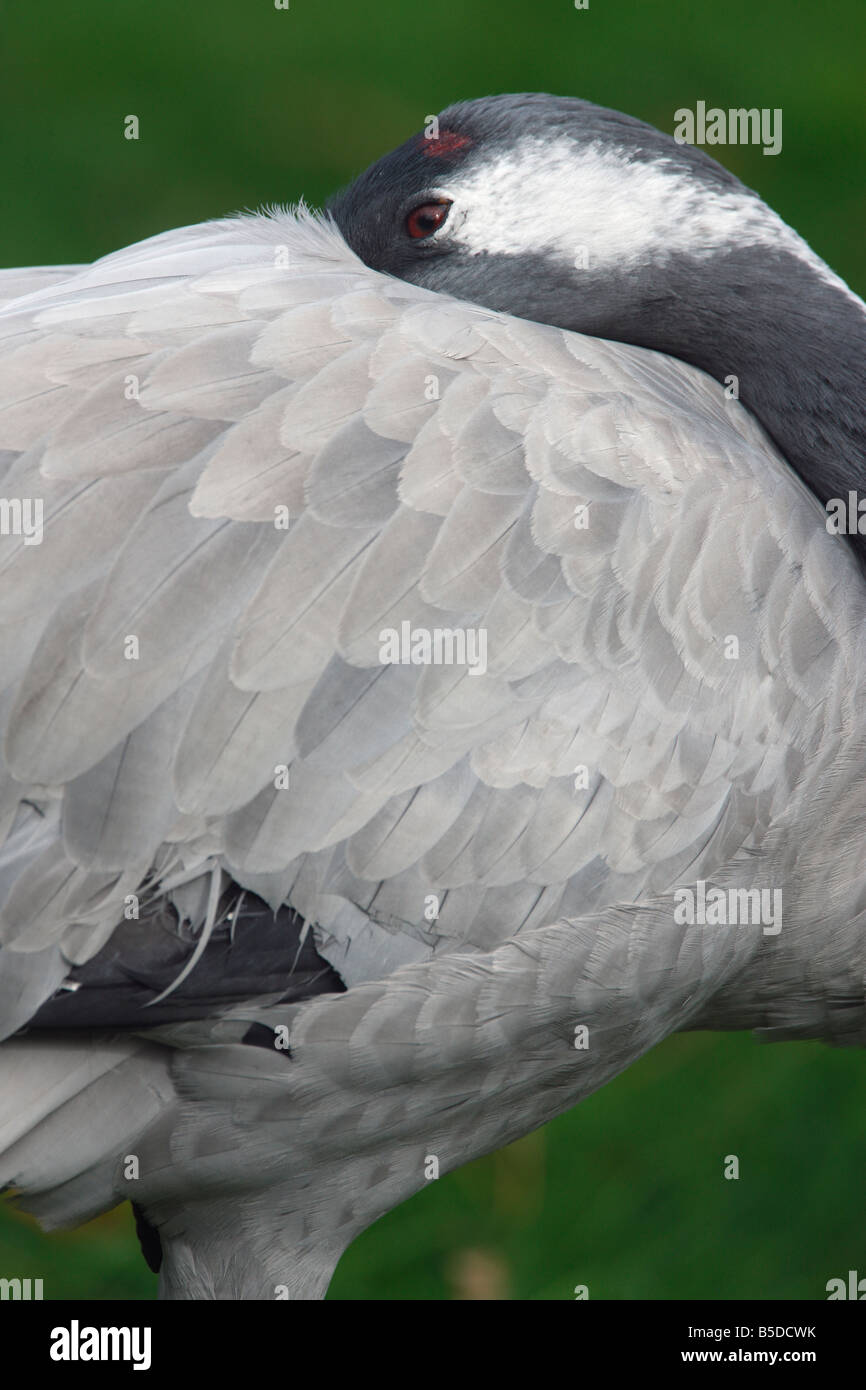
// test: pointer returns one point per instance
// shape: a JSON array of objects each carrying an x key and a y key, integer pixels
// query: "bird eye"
[{"x": 425, "y": 220}]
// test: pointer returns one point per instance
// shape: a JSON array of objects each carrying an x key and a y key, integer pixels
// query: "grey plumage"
[{"x": 263, "y": 386}]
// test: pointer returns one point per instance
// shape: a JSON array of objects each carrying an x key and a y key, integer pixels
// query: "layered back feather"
[{"x": 257, "y": 459}]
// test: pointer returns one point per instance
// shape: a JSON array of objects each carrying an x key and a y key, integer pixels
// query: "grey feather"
[{"x": 477, "y": 902}]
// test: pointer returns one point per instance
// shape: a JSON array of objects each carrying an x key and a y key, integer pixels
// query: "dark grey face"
[
  {"x": 530, "y": 188},
  {"x": 556, "y": 210}
]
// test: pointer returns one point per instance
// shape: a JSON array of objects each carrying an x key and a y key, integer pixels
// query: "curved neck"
[{"x": 794, "y": 338}]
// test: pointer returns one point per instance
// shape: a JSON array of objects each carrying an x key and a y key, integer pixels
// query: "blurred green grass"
[
  {"x": 625, "y": 1194},
  {"x": 240, "y": 105}
]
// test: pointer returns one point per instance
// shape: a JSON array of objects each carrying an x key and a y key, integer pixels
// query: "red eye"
[{"x": 424, "y": 220}]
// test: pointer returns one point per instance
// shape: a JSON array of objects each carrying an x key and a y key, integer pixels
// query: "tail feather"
[{"x": 50, "y": 1091}]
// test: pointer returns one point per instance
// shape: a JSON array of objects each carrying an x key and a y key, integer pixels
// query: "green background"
[{"x": 241, "y": 104}]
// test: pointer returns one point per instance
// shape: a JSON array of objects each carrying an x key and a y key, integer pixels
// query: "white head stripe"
[{"x": 594, "y": 205}]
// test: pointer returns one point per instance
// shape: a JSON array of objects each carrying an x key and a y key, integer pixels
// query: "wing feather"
[{"x": 259, "y": 458}]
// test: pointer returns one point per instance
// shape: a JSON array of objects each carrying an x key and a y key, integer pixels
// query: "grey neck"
[
  {"x": 795, "y": 341},
  {"x": 797, "y": 346}
]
